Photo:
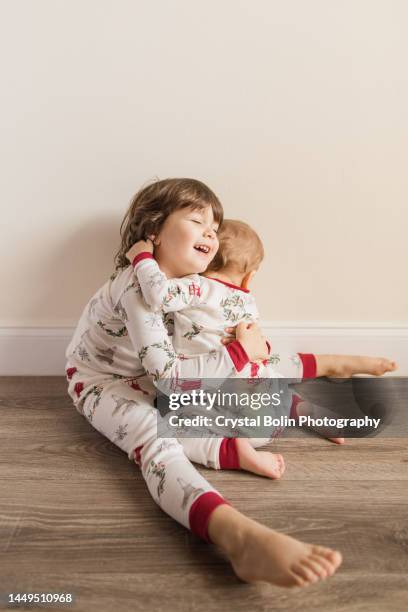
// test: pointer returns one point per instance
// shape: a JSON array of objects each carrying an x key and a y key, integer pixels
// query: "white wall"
[{"x": 294, "y": 113}]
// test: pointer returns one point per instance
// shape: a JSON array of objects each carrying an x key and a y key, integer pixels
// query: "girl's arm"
[
  {"x": 160, "y": 293},
  {"x": 155, "y": 350}
]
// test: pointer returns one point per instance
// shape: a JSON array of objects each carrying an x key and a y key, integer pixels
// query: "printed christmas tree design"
[
  {"x": 196, "y": 329},
  {"x": 159, "y": 470},
  {"x": 154, "y": 321},
  {"x": 80, "y": 348},
  {"x": 120, "y": 433},
  {"x": 212, "y": 355},
  {"x": 123, "y": 404},
  {"x": 117, "y": 333},
  {"x": 189, "y": 491},
  {"x": 83, "y": 353},
  {"x": 166, "y": 444},
  {"x": 157, "y": 279},
  {"x": 105, "y": 355},
  {"x": 121, "y": 312}
]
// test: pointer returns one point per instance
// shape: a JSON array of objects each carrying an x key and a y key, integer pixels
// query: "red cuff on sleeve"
[
  {"x": 144, "y": 255},
  {"x": 200, "y": 513},
  {"x": 228, "y": 457},
  {"x": 309, "y": 365},
  {"x": 238, "y": 355}
]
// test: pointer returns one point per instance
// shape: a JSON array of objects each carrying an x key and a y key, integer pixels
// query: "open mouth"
[{"x": 202, "y": 248}]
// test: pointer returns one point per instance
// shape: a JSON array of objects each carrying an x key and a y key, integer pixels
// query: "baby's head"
[{"x": 240, "y": 252}]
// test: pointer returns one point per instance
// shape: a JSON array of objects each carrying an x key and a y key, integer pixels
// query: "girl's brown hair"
[{"x": 152, "y": 204}]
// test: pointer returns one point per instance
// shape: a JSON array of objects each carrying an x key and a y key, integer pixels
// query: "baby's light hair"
[{"x": 240, "y": 248}]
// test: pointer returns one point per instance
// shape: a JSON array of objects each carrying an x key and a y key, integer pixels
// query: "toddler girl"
[{"x": 120, "y": 351}]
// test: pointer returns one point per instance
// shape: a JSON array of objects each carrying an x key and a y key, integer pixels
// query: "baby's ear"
[{"x": 247, "y": 279}]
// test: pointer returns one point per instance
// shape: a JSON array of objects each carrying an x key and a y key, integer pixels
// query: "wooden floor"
[{"x": 76, "y": 517}]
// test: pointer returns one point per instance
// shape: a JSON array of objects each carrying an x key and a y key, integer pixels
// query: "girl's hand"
[
  {"x": 251, "y": 338},
  {"x": 227, "y": 339},
  {"x": 141, "y": 246}
]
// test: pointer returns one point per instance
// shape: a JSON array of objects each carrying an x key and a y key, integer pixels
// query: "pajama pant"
[{"x": 122, "y": 409}]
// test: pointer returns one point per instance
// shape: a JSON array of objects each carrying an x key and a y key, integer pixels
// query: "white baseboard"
[
  {"x": 40, "y": 351},
  {"x": 382, "y": 340}
]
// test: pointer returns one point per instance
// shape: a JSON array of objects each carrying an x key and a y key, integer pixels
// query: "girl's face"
[{"x": 187, "y": 242}]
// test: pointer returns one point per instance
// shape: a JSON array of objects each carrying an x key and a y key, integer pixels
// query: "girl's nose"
[{"x": 210, "y": 232}]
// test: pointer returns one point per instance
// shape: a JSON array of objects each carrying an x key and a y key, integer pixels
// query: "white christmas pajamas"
[{"x": 119, "y": 352}]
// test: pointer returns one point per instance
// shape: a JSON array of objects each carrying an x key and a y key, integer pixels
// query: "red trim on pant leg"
[
  {"x": 309, "y": 365},
  {"x": 137, "y": 455},
  {"x": 228, "y": 456},
  {"x": 141, "y": 256},
  {"x": 200, "y": 513},
  {"x": 293, "y": 412},
  {"x": 238, "y": 355}
]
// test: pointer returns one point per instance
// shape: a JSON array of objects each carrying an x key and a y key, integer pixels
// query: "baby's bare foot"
[
  {"x": 262, "y": 463},
  {"x": 344, "y": 366},
  {"x": 304, "y": 408},
  {"x": 268, "y": 556}
]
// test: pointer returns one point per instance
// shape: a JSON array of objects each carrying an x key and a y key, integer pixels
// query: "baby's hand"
[{"x": 141, "y": 246}]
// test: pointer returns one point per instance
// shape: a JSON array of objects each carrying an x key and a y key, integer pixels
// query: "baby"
[{"x": 206, "y": 306}]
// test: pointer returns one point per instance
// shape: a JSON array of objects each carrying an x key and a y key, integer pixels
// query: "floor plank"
[{"x": 75, "y": 516}]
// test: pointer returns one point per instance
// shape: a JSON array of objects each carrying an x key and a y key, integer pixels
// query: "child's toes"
[
  {"x": 323, "y": 562},
  {"x": 316, "y": 567},
  {"x": 275, "y": 465},
  {"x": 385, "y": 365},
  {"x": 281, "y": 464},
  {"x": 305, "y": 573}
]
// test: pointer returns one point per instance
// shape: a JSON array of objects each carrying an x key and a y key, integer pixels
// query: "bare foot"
[
  {"x": 259, "y": 554},
  {"x": 344, "y": 366},
  {"x": 262, "y": 463},
  {"x": 304, "y": 408}
]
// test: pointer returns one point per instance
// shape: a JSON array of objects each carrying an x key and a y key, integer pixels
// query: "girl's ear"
[{"x": 155, "y": 240}]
